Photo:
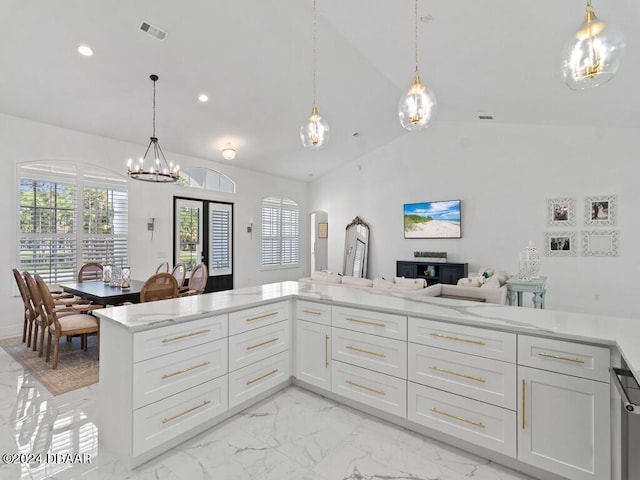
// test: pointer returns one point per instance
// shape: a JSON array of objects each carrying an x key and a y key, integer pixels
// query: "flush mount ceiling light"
[
  {"x": 228, "y": 152},
  {"x": 314, "y": 132},
  {"x": 417, "y": 106},
  {"x": 161, "y": 171},
  {"x": 203, "y": 97},
  {"x": 592, "y": 56},
  {"x": 85, "y": 50}
]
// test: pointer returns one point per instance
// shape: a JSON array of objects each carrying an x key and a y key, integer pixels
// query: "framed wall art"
[
  {"x": 561, "y": 212},
  {"x": 600, "y": 210},
  {"x": 560, "y": 244},
  {"x": 600, "y": 243}
]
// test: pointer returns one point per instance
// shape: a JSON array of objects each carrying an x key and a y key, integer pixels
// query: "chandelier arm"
[{"x": 164, "y": 159}]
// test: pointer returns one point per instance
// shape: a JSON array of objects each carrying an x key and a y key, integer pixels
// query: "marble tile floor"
[{"x": 294, "y": 434}]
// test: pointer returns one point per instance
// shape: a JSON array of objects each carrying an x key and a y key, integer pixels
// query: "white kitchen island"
[{"x": 527, "y": 388}]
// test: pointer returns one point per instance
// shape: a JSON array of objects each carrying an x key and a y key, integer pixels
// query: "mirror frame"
[{"x": 356, "y": 223}]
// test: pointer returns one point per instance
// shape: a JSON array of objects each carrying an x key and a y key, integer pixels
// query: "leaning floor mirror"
[{"x": 356, "y": 249}]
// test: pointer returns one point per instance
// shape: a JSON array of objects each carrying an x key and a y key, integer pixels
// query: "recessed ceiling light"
[
  {"x": 85, "y": 50},
  {"x": 203, "y": 98}
]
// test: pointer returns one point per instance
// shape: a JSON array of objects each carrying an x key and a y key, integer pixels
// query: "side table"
[{"x": 535, "y": 286}]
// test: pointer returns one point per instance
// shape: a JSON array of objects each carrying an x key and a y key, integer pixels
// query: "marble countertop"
[{"x": 598, "y": 329}]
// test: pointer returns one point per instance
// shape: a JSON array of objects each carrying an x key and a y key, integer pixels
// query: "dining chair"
[
  {"x": 29, "y": 315},
  {"x": 90, "y": 272},
  {"x": 68, "y": 325},
  {"x": 163, "y": 268},
  {"x": 197, "y": 281},
  {"x": 180, "y": 273},
  {"x": 158, "y": 287}
]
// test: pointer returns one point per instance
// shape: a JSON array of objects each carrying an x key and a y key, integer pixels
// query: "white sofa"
[{"x": 482, "y": 287}]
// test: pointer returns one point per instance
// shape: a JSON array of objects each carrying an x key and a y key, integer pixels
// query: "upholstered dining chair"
[
  {"x": 163, "y": 268},
  {"x": 158, "y": 287},
  {"x": 63, "y": 326},
  {"x": 90, "y": 272},
  {"x": 197, "y": 281},
  {"x": 180, "y": 273},
  {"x": 29, "y": 315}
]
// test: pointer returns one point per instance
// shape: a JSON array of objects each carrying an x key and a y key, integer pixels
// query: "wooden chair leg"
[
  {"x": 35, "y": 336},
  {"x": 56, "y": 348},
  {"x": 48, "y": 347},
  {"x": 41, "y": 341}
]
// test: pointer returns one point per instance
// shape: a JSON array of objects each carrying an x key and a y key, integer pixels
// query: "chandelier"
[
  {"x": 592, "y": 55},
  {"x": 314, "y": 132},
  {"x": 417, "y": 107},
  {"x": 160, "y": 170}
]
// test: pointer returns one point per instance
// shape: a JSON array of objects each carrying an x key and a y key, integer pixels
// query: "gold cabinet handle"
[
  {"x": 185, "y": 370},
  {"x": 561, "y": 357},
  {"x": 455, "y": 417},
  {"x": 463, "y": 375},
  {"x": 523, "y": 404},
  {"x": 260, "y": 317},
  {"x": 457, "y": 339},
  {"x": 311, "y": 312},
  {"x": 174, "y": 417},
  {"x": 364, "y": 387},
  {"x": 186, "y": 335},
  {"x": 361, "y": 350},
  {"x": 357, "y": 320},
  {"x": 326, "y": 351},
  {"x": 257, "y": 379},
  {"x": 262, "y": 344}
]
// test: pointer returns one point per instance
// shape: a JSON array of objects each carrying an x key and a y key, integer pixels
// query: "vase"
[{"x": 533, "y": 259}]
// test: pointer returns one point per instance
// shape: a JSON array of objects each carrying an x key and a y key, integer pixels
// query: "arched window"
[
  {"x": 207, "y": 179},
  {"x": 280, "y": 232}
]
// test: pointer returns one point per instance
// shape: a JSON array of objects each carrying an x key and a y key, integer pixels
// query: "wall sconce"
[
  {"x": 250, "y": 227},
  {"x": 151, "y": 225},
  {"x": 228, "y": 152}
]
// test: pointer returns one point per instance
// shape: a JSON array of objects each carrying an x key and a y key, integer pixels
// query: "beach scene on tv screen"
[{"x": 432, "y": 220}]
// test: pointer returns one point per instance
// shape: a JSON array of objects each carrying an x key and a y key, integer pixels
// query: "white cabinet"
[
  {"x": 563, "y": 420},
  {"x": 381, "y": 354},
  {"x": 313, "y": 354}
]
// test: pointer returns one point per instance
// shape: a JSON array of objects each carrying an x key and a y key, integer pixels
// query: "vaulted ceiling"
[{"x": 253, "y": 58}]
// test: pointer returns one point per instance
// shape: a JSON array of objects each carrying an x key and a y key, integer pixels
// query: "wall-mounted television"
[{"x": 432, "y": 219}]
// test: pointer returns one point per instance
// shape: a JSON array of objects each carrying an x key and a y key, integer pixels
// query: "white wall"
[
  {"x": 503, "y": 174},
  {"x": 23, "y": 140}
]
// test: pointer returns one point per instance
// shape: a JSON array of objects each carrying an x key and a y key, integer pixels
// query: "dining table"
[{"x": 102, "y": 293}]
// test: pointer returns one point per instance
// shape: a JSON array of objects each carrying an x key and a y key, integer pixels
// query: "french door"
[{"x": 203, "y": 232}]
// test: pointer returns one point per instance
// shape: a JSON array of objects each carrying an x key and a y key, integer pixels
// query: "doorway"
[
  {"x": 319, "y": 240},
  {"x": 203, "y": 232}
]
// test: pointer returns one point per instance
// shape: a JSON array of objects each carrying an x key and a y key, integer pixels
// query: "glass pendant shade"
[
  {"x": 417, "y": 106},
  {"x": 314, "y": 132},
  {"x": 592, "y": 55}
]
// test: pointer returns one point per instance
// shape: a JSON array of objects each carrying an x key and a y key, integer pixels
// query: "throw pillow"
[
  {"x": 382, "y": 284},
  {"x": 492, "y": 282}
]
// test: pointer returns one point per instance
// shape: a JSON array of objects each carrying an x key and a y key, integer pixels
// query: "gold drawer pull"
[
  {"x": 251, "y": 347},
  {"x": 560, "y": 357},
  {"x": 375, "y": 324},
  {"x": 186, "y": 335},
  {"x": 451, "y": 372},
  {"x": 457, "y": 339},
  {"x": 326, "y": 351},
  {"x": 455, "y": 417},
  {"x": 364, "y": 387},
  {"x": 356, "y": 349},
  {"x": 311, "y": 312},
  {"x": 262, "y": 376},
  {"x": 174, "y": 417},
  {"x": 188, "y": 369},
  {"x": 260, "y": 317}
]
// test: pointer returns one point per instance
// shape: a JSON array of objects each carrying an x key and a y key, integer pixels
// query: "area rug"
[{"x": 76, "y": 368}]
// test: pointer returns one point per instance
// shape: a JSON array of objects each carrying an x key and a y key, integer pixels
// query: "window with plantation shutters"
[
  {"x": 67, "y": 219},
  {"x": 280, "y": 232},
  {"x": 219, "y": 239}
]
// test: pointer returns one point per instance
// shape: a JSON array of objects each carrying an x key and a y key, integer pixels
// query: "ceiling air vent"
[{"x": 155, "y": 32}]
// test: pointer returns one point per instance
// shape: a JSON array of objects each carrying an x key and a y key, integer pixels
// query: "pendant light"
[
  {"x": 417, "y": 106},
  {"x": 592, "y": 55},
  {"x": 160, "y": 171},
  {"x": 314, "y": 132}
]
